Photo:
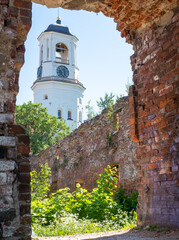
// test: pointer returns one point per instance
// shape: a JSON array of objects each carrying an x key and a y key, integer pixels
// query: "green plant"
[
  {"x": 155, "y": 227},
  {"x": 96, "y": 209},
  {"x": 40, "y": 183},
  {"x": 64, "y": 163},
  {"x": 90, "y": 110},
  {"x": 106, "y": 102},
  {"x": 54, "y": 168},
  {"x": 167, "y": 229},
  {"x": 43, "y": 129},
  {"x": 71, "y": 224},
  {"x": 80, "y": 158},
  {"x": 127, "y": 202},
  {"x": 109, "y": 139},
  {"x": 75, "y": 164}
]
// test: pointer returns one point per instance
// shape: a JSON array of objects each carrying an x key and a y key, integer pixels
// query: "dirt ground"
[{"x": 120, "y": 235}]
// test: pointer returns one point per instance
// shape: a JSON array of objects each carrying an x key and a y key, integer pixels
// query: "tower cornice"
[{"x": 58, "y": 79}]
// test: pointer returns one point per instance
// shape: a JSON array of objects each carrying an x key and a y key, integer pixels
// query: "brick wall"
[
  {"x": 154, "y": 105},
  {"x": 84, "y": 154},
  {"x": 15, "y": 219}
]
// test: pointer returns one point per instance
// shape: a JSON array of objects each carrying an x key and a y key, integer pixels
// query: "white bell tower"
[{"x": 57, "y": 86}]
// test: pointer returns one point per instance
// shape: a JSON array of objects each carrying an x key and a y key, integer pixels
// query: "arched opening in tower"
[{"x": 62, "y": 53}]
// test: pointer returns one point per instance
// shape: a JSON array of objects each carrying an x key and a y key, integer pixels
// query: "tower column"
[
  {"x": 45, "y": 50},
  {"x": 72, "y": 53}
]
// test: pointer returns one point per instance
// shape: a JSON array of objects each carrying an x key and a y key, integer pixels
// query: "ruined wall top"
[{"x": 130, "y": 15}]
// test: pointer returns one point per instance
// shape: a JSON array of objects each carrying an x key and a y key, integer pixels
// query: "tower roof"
[{"x": 59, "y": 28}]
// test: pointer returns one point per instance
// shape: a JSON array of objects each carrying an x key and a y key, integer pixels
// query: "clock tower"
[{"x": 57, "y": 86}]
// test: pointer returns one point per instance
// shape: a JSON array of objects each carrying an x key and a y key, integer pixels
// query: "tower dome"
[
  {"x": 59, "y": 28},
  {"x": 57, "y": 86}
]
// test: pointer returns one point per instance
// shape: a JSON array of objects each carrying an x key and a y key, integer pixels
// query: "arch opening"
[{"x": 62, "y": 53}]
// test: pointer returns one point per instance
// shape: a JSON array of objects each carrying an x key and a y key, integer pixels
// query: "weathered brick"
[
  {"x": 11, "y": 153},
  {"x": 7, "y": 215},
  {"x": 169, "y": 211},
  {"x": 166, "y": 90},
  {"x": 23, "y": 149},
  {"x": 16, "y": 129},
  {"x": 23, "y": 139},
  {"x": 6, "y": 190},
  {"x": 7, "y": 141},
  {"x": 6, "y": 202},
  {"x": 4, "y": 2},
  {"x": 23, "y": 4},
  {"x": 10, "y": 178},
  {"x": 6, "y": 118},
  {"x": 24, "y": 178},
  {"x": 26, "y": 219},
  {"x": 24, "y": 188},
  {"x": 3, "y": 178},
  {"x": 24, "y": 209},
  {"x": 156, "y": 159},
  {"x": 24, "y": 168},
  {"x": 25, "y": 197},
  {"x": 13, "y": 11},
  {"x": 153, "y": 166},
  {"x": 7, "y": 165},
  {"x": 165, "y": 170}
]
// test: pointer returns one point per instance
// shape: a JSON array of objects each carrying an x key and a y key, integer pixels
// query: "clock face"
[
  {"x": 62, "y": 71},
  {"x": 39, "y": 72}
]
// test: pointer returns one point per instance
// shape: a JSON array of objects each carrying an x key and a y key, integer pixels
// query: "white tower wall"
[{"x": 53, "y": 91}]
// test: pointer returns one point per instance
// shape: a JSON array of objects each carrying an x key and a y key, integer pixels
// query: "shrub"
[
  {"x": 103, "y": 209},
  {"x": 127, "y": 202}
]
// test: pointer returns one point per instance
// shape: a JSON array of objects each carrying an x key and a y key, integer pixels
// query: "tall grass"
[{"x": 71, "y": 225}]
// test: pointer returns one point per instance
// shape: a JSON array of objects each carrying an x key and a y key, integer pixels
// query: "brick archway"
[{"x": 151, "y": 26}]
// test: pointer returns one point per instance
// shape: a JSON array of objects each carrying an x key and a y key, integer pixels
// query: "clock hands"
[{"x": 62, "y": 71}]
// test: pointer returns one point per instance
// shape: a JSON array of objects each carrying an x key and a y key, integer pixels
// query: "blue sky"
[{"x": 103, "y": 56}]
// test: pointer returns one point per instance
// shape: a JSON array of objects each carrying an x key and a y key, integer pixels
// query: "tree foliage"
[
  {"x": 40, "y": 183},
  {"x": 90, "y": 110},
  {"x": 43, "y": 129},
  {"x": 106, "y": 102}
]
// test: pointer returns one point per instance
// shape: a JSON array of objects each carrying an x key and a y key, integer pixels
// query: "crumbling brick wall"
[
  {"x": 15, "y": 219},
  {"x": 154, "y": 103},
  {"x": 83, "y": 155}
]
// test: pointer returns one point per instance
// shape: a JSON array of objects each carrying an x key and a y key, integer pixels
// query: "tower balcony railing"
[
  {"x": 61, "y": 60},
  {"x": 58, "y": 79}
]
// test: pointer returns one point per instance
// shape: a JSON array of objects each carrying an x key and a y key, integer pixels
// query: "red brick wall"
[
  {"x": 85, "y": 153},
  {"x": 154, "y": 105}
]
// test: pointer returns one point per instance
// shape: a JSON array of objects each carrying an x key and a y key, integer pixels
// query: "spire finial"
[{"x": 58, "y": 18}]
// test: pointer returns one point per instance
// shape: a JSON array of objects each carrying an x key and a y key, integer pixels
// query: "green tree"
[
  {"x": 43, "y": 129},
  {"x": 40, "y": 182},
  {"x": 90, "y": 110},
  {"x": 108, "y": 101}
]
